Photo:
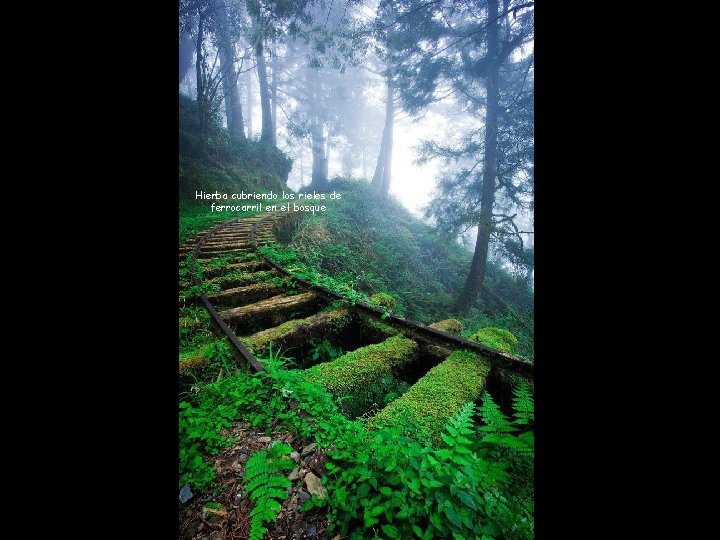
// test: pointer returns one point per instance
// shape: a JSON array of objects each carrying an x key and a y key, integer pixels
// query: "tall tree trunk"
[
  {"x": 186, "y": 54},
  {"x": 319, "y": 157},
  {"x": 380, "y": 166},
  {"x": 318, "y": 140},
  {"x": 233, "y": 108},
  {"x": 249, "y": 104},
  {"x": 267, "y": 135},
  {"x": 475, "y": 278},
  {"x": 381, "y": 178},
  {"x": 302, "y": 170},
  {"x": 274, "y": 94},
  {"x": 389, "y": 121},
  {"x": 200, "y": 100}
]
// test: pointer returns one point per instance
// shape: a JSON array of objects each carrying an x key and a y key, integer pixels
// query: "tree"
[
  {"x": 388, "y": 43},
  {"x": 185, "y": 50},
  {"x": 225, "y": 42},
  {"x": 465, "y": 56},
  {"x": 323, "y": 84},
  {"x": 382, "y": 176},
  {"x": 271, "y": 21},
  {"x": 214, "y": 43}
]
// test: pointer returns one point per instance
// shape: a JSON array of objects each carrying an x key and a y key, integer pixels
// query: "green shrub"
[
  {"x": 461, "y": 488},
  {"x": 356, "y": 370},
  {"x": 438, "y": 395},
  {"x": 496, "y": 338},
  {"x": 383, "y": 300}
]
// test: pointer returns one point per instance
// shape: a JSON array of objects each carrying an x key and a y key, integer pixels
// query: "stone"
[
  {"x": 264, "y": 439},
  {"x": 294, "y": 475},
  {"x": 315, "y": 485},
  {"x": 303, "y": 496},
  {"x": 309, "y": 449},
  {"x": 186, "y": 494},
  {"x": 295, "y": 457}
]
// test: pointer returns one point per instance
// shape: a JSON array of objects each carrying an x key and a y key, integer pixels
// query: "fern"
[
  {"x": 458, "y": 427},
  {"x": 523, "y": 404},
  {"x": 266, "y": 484},
  {"x": 496, "y": 423}
]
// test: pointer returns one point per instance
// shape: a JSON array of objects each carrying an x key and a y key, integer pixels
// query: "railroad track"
[{"x": 257, "y": 304}]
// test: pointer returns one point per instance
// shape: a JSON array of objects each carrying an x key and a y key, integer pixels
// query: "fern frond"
[
  {"x": 266, "y": 485},
  {"x": 495, "y": 421},
  {"x": 523, "y": 403},
  {"x": 279, "y": 449}
]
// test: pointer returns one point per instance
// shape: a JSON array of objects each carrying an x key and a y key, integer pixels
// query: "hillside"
[
  {"x": 377, "y": 245},
  {"x": 226, "y": 164},
  {"x": 370, "y": 243}
]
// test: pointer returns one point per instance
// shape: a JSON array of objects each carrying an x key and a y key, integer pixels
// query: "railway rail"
[{"x": 260, "y": 303}]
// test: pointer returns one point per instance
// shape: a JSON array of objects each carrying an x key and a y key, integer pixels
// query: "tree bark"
[
  {"x": 267, "y": 135},
  {"x": 319, "y": 158},
  {"x": 381, "y": 178},
  {"x": 389, "y": 121},
  {"x": 233, "y": 108},
  {"x": 318, "y": 141},
  {"x": 249, "y": 104},
  {"x": 475, "y": 278},
  {"x": 186, "y": 53},
  {"x": 200, "y": 99},
  {"x": 274, "y": 94},
  {"x": 378, "y": 175}
]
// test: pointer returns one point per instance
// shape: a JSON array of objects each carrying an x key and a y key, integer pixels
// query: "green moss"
[
  {"x": 451, "y": 326},
  {"x": 239, "y": 278},
  {"x": 377, "y": 328},
  {"x": 337, "y": 318},
  {"x": 354, "y": 371},
  {"x": 438, "y": 395},
  {"x": 383, "y": 300},
  {"x": 200, "y": 356},
  {"x": 261, "y": 339},
  {"x": 496, "y": 338}
]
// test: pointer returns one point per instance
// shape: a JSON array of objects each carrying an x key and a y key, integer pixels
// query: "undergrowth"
[{"x": 475, "y": 483}]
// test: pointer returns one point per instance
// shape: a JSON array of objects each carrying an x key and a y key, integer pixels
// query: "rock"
[
  {"x": 312, "y": 530},
  {"x": 315, "y": 485},
  {"x": 310, "y": 448},
  {"x": 303, "y": 496},
  {"x": 242, "y": 458},
  {"x": 264, "y": 439},
  {"x": 186, "y": 494},
  {"x": 294, "y": 475},
  {"x": 295, "y": 457},
  {"x": 303, "y": 472},
  {"x": 293, "y": 503}
]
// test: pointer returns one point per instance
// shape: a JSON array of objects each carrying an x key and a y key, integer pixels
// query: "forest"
[{"x": 356, "y": 269}]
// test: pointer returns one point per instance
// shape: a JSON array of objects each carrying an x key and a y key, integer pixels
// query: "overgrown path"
[
  {"x": 385, "y": 370},
  {"x": 260, "y": 305}
]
